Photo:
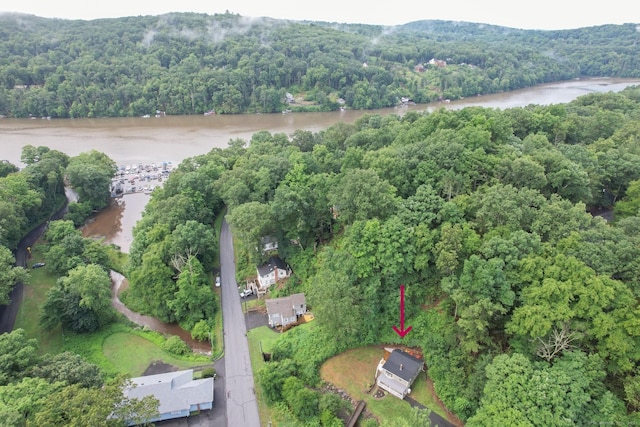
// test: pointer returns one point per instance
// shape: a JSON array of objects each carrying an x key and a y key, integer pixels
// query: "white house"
[
  {"x": 271, "y": 272},
  {"x": 287, "y": 310},
  {"x": 397, "y": 372},
  {"x": 269, "y": 243},
  {"x": 178, "y": 393}
]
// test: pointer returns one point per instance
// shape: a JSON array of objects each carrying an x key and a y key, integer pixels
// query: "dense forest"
[
  {"x": 186, "y": 63},
  {"x": 523, "y": 300}
]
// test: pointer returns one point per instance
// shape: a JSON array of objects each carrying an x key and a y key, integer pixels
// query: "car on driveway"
[
  {"x": 217, "y": 281},
  {"x": 246, "y": 293}
]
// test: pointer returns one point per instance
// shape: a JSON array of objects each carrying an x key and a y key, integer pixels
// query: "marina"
[{"x": 140, "y": 178}]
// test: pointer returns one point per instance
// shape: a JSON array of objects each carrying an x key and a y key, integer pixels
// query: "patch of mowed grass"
[
  {"x": 354, "y": 372},
  {"x": 132, "y": 354},
  {"x": 130, "y": 349},
  {"x": 30, "y": 310}
]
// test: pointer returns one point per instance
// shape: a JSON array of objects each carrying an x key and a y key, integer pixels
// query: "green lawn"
[
  {"x": 131, "y": 354},
  {"x": 35, "y": 294},
  {"x": 118, "y": 348},
  {"x": 354, "y": 370}
]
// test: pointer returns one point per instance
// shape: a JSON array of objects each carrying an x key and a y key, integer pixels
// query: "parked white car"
[
  {"x": 246, "y": 293},
  {"x": 217, "y": 281}
]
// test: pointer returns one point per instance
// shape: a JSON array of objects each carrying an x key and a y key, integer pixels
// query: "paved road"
[
  {"x": 9, "y": 312},
  {"x": 242, "y": 406}
]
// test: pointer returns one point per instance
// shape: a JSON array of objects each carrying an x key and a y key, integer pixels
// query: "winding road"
[
  {"x": 8, "y": 313},
  {"x": 242, "y": 405}
]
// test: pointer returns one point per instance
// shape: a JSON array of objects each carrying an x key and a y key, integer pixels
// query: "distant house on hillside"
[
  {"x": 287, "y": 310},
  {"x": 271, "y": 272},
  {"x": 269, "y": 244},
  {"x": 178, "y": 393},
  {"x": 397, "y": 371}
]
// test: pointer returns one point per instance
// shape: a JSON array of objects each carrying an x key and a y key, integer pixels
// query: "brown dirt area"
[{"x": 159, "y": 367}]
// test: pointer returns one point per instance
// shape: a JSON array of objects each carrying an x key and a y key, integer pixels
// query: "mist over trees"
[{"x": 188, "y": 63}]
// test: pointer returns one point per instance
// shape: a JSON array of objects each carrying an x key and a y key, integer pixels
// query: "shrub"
[
  {"x": 175, "y": 345},
  {"x": 208, "y": 373},
  {"x": 201, "y": 331}
]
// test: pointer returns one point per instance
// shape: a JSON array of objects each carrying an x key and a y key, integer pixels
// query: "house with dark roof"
[
  {"x": 178, "y": 393},
  {"x": 271, "y": 272},
  {"x": 397, "y": 371},
  {"x": 285, "y": 311}
]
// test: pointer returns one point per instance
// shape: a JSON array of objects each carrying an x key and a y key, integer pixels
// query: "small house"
[
  {"x": 272, "y": 271},
  {"x": 285, "y": 311},
  {"x": 397, "y": 372},
  {"x": 178, "y": 393},
  {"x": 269, "y": 244}
]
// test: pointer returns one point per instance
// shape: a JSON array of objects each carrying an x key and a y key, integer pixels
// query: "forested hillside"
[
  {"x": 523, "y": 302},
  {"x": 186, "y": 63}
]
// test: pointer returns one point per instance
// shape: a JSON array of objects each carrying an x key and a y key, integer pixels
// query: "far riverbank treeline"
[{"x": 187, "y": 63}]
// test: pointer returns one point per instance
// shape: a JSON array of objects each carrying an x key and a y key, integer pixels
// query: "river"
[{"x": 173, "y": 138}]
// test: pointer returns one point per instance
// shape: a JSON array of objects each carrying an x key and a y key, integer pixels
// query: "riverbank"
[
  {"x": 119, "y": 284},
  {"x": 134, "y": 140}
]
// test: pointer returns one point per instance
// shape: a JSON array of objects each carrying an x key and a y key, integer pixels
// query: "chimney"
[{"x": 401, "y": 366}]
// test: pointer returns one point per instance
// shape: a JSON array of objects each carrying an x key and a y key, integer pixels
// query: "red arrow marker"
[{"x": 402, "y": 331}]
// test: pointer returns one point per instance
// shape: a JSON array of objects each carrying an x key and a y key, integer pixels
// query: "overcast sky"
[{"x": 532, "y": 14}]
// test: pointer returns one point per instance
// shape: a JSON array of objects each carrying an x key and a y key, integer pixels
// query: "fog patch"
[{"x": 148, "y": 37}]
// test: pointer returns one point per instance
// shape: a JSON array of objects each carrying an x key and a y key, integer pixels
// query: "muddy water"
[
  {"x": 138, "y": 140},
  {"x": 174, "y": 138},
  {"x": 113, "y": 225},
  {"x": 119, "y": 284}
]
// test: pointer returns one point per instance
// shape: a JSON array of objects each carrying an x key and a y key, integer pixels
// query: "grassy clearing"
[
  {"x": 35, "y": 294},
  {"x": 354, "y": 370},
  {"x": 120, "y": 348},
  {"x": 131, "y": 354}
]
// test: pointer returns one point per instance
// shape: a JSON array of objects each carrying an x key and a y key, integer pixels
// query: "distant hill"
[{"x": 188, "y": 63}]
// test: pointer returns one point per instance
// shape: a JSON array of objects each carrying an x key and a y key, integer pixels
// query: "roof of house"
[
  {"x": 392, "y": 384},
  {"x": 176, "y": 391},
  {"x": 403, "y": 365},
  {"x": 268, "y": 239},
  {"x": 298, "y": 299},
  {"x": 273, "y": 263},
  {"x": 284, "y": 306}
]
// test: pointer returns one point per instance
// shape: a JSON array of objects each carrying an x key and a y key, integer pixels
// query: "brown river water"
[{"x": 130, "y": 141}]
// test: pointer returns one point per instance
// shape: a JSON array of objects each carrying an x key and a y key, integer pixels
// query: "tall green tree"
[
  {"x": 80, "y": 301},
  {"x": 194, "y": 300},
  {"x": 10, "y": 274},
  {"x": 17, "y": 354},
  {"x": 90, "y": 176},
  {"x": 77, "y": 406},
  {"x": 568, "y": 393}
]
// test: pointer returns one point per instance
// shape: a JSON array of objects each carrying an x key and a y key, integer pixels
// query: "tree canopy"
[{"x": 189, "y": 63}]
